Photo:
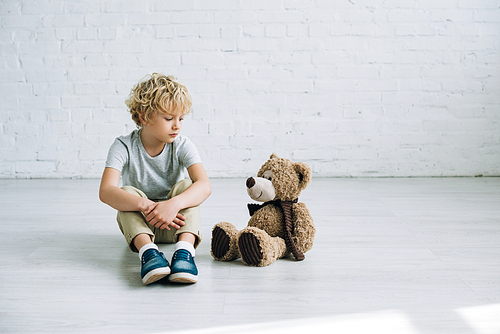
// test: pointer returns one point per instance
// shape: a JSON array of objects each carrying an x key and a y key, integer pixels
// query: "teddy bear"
[{"x": 279, "y": 226}]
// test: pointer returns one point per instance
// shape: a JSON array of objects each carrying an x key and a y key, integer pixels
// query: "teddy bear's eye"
[{"x": 268, "y": 175}]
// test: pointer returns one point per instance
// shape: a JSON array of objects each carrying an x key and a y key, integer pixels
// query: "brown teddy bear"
[{"x": 277, "y": 227}]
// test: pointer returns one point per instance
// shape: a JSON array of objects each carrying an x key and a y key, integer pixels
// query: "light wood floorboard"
[{"x": 418, "y": 255}]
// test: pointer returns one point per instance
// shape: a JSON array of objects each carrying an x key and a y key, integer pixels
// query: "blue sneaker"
[
  {"x": 154, "y": 266},
  {"x": 183, "y": 268}
]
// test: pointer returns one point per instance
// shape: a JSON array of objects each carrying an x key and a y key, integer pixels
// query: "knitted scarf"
[{"x": 286, "y": 206}]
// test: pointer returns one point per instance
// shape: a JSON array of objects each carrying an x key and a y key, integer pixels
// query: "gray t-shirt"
[{"x": 155, "y": 176}]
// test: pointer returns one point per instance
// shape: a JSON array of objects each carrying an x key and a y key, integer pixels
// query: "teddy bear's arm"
[{"x": 303, "y": 227}]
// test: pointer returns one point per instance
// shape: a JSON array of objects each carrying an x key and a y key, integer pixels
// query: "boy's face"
[{"x": 164, "y": 127}]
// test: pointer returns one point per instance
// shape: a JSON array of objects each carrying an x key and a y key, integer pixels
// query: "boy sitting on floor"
[{"x": 163, "y": 180}]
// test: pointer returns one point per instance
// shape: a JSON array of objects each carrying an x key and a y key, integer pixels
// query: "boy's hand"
[{"x": 164, "y": 216}]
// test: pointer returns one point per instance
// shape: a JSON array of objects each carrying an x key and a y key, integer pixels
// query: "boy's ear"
[{"x": 141, "y": 118}]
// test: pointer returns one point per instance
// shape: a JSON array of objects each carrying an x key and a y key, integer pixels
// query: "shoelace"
[
  {"x": 149, "y": 254},
  {"x": 182, "y": 254}
]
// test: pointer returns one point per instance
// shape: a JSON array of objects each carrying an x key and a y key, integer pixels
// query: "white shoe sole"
[
  {"x": 183, "y": 278},
  {"x": 155, "y": 275}
]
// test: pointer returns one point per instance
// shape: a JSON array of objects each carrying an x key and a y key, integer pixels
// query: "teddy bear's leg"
[
  {"x": 259, "y": 249},
  {"x": 224, "y": 246}
]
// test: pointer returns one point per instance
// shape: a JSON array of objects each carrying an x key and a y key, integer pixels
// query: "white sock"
[
  {"x": 185, "y": 245},
  {"x": 146, "y": 247}
]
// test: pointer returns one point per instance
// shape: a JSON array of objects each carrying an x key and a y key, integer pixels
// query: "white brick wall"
[{"x": 351, "y": 87}]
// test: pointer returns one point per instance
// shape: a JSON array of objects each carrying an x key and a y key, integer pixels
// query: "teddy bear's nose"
[{"x": 250, "y": 182}]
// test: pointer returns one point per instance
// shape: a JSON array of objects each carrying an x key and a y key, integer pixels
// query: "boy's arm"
[
  {"x": 117, "y": 198},
  {"x": 162, "y": 214},
  {"x": 199, "y": 191}
]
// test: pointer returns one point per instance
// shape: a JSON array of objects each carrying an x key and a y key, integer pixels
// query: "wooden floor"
[{"x": 391, "y": 256}]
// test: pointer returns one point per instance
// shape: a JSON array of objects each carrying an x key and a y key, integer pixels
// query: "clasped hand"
[{"x": 162, "y": 215}]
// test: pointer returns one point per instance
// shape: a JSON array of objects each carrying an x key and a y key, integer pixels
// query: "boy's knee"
[{"x": 181, "y": 186}]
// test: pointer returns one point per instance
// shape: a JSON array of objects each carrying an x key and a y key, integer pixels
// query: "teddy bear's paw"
[
  {"x": 257, "y": 248},
  {"x": 224, "y": 247},
  {"x": 220, "y": 243},
  {"x": 251, "y": 251}
]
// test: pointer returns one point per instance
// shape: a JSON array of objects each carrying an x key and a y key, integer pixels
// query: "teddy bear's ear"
[
  {"x": 304, "y": 173},
  {"x": 274, "y": 156}
]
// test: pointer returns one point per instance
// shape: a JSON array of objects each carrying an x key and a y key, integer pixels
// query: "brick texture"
[{"x": 350, "y": 87}]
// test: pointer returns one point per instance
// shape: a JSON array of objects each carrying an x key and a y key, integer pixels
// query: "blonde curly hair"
[{"x": 158, "y": 93}]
